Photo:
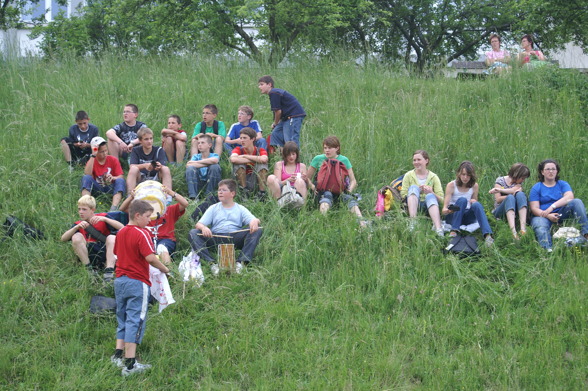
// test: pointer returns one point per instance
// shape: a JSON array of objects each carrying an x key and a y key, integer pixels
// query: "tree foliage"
[
  {"x": 417, "y": 32},
  {"x": 555, "y": 22}
]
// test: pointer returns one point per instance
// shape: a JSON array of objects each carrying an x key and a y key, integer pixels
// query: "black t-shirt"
[
  {"x": 140, "y": 157},
  {"x": 128, "y": 133}
]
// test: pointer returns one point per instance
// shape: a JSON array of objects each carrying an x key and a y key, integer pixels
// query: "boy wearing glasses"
[
  {"x": 122, "y": 138},
  {"x": 209, "y": 125},
  {"x": 223, "y": 223}
]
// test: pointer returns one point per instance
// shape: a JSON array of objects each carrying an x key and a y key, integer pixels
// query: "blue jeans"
[
  {"x": 465, "y": 216},
  {"x": 511, "y": 202},
  {"x": 196, "y": 181},
  {"x": 287, "y": 130},
  {"x": 90, "y": 184},
  {"x": 245, "y": 241},
  {"x": 328, "y": 197},
  {"x": 430, "y": 199},
  {"x": 261, "y": 143},
  {"x": 132, "y": 297},
  {"x": 573, "y": 210}
]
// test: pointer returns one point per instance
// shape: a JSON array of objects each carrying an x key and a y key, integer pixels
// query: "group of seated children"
[{"x": 551, "y": 200}]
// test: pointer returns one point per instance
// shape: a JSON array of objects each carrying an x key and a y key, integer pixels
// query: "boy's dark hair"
[
  {"x": 133, "y": 107},
  {"x": 144, "y": 131},
  {"x": 333, "y": 142},
  {"x": 267, "y": 80},
  {"x": 229, "y": 183},
  {"x": 290, "y": 147},
  {"x": 207, "y": 137},
  {"x": 529, "y": 38},
  {"x": 541, "y": 166},
  {"x": 247, "y": 110},
  {"x": 139, "y": 206},
  {"x": 519, "y": 171},
  {"x": 81, "y": 115},
  {"x": 212, "y": 109},
  {"x": 249, "y": 132},
  {"x": 176, "y": 117},
  {"x": 469, "y": 168}
]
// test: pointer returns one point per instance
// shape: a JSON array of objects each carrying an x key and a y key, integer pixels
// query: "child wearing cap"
[{"x": 103, "y": 173}]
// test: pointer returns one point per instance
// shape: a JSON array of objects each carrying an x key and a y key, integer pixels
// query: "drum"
[
  {"x": 152, "y": 192},
  {"x": 226, "y": 257}
]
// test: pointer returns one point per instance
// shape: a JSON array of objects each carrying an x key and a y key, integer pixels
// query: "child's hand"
[
  {"x": 292, "y": 178},
  {"x": 206, "y": 232},
  {"x": 494, "y": 191},
  {"x": 83, "y": 225},
  {"x": 96, "y": 219}
]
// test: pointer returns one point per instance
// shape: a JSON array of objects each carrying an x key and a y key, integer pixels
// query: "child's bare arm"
[
  {"x": 67, "y": 235},
  {"x": 113, "y": 223},
  {"x": 156, "y": 263},
  {"x": 352, "y": 181}
]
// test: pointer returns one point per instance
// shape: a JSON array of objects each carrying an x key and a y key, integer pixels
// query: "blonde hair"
[
  {"x": 144, "y": 132},
  {"x": 87, "y": 200}
]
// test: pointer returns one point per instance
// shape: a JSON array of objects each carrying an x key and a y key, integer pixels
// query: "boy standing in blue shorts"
[
  {"x": 288, "y": 113},
  {"x": 135, "y": 252}
]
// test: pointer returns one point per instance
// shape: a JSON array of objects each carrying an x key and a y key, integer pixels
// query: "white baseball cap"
[{"x": 97, "y": 142}]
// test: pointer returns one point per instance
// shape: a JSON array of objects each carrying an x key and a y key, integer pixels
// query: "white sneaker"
[
  {"x": 118, "y": 361},
  {"x": 137, "y": 368},
  {"x": 440, "y": 232},
  {"x": 214, "y": 269},
  {"x": 239, "y": 267}
]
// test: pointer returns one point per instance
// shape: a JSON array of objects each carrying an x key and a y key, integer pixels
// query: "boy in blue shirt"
[
  {"x": 209, "y": 125},
  {"x": 76, "y": 146},
  {"x": 288, "y": 113},
  {"x": 245, "y": 118},
  {"x": 203, "y": 170},
  {"x": 222, "y": 223}
]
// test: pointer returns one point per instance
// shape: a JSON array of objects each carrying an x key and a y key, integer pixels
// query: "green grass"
[{"x": 324, "y": 306}]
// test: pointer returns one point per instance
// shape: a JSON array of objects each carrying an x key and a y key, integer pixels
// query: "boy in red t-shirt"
[
  {"x": 164, "y": 226},
  {"x": 103, "y": 173},
  {"x": 135, "y": 252},
  {"x": 96, "y": 245},
  {"x": 249, "y": 163}
]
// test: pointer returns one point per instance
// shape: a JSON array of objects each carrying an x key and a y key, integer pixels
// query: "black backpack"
[
  {"x": 214, "y": 127},
  {"x": 463, "y": 246}
]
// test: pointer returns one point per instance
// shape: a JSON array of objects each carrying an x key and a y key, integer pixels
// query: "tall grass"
[{"x": 324, "y": 306}]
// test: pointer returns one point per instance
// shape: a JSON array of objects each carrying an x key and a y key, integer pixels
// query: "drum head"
[{"x": 152, "y": 192}]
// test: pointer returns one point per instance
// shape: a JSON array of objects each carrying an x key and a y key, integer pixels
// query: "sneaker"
[
  {"x": 214, "y": 269},
  {"x": 137, "y": 368},
  {"x": 108, "y": 275},
  {"x": 440, "y": 232},
  {"x": 549, "y": 250},
  {"x": 239, "y": 267},
  {"x": 489, "y": 241},
  {"x": 113, "y": 208},
  {"x": 118, "y": 361}
]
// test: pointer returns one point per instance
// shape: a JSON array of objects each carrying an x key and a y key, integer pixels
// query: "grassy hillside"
[{"x": 324, "y": 306}]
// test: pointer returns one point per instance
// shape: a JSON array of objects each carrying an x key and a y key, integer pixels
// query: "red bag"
[{"x": 332, "y": 177}]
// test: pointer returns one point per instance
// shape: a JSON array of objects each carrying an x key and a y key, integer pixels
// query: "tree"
[
  {"x": 554, "y": 22},
  {"x": 430, "y": 30}
]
